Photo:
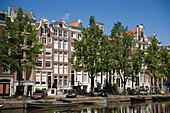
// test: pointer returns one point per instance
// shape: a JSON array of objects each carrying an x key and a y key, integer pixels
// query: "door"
[{"x": 4, "y": 89}]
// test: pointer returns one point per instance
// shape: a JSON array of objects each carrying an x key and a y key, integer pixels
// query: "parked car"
[
  {"x": 39, "y": 94},
  {"x": 142, "y": 92},
  {"x": 132, "y": 92},
  {"x": 71, "y": 93},
  {"x": 102, "y": 93}
]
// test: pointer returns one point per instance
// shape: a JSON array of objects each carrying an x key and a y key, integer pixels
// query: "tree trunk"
[
  {"x": 92, "y": 83},
  {"x": 124, "y": 83},
  {"x": 132, "y": 80}
]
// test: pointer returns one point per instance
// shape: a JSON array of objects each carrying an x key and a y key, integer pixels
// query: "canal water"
[{"x": 122, "y": 107}]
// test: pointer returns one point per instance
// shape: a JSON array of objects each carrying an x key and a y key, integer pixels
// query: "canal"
[{"x": 123, "y": 107}]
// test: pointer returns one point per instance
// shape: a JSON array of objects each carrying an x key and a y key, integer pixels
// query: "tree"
[
  {"x": 87, "y": 49},
  {"x": 18, "y": 44},
  {"x": 137, "y": 60},
  {"x": 153, "y": 61},
  {"x": 165, "y": 63},
  {"x": 122, "y": 43}
]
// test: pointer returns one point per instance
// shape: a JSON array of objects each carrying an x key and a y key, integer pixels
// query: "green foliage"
[
  {"x": 87, "y": 50},
  {"x": 19, "y": 45},
  {"x": 122, "y": 43}
]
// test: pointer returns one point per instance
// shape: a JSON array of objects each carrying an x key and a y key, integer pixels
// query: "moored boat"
[
  {"x": 137, "y": 99},
  {"x": 159, "y": 98},
  {"x": 51, "y": 104}
]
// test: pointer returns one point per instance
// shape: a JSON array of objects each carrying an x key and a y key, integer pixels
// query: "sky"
[{"x": 153, "y": 14}]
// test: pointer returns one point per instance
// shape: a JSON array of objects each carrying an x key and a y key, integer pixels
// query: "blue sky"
[{"x": 153, "y": 14}]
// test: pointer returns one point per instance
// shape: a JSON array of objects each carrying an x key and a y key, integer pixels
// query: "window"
[
  {"x": 61, "y": 25},
  {"x": 139, "y": 38},
  {"x": 60, "y": 80},
  {"x": 60, "y": 56},
  {"x": 55, "y": 56},
  {"x": 65, "y": 57},
  {"x": 60, "y": 44},
  {"x": 55, "y": 44},
  {"x": 39, "y": 62},
  {"x": 55, "y": 32},
  {"x": 143, "y": 46},
  {"x": 38, "y": 77},
  {"x": 79, "y": 36},
  {"x": 73, "y": 35},
  {"x": 60, "y": 33},
  {"x": 128, "y": 82},
  {"x": 61, "y": 68},
  {"x": 85, "y": 76},
  {"x": 55, "y": 68},
  {"x": 65, "y": 80},
  {"x": 65, "y": 69},
  {"x": 141, "y": 77},
  {"x": 43, "y": 77},
  {"x": 38, "y": 38},
  {"x": 44, "y": 30},
  {"x": 48, "y": 51},
  {"x": 146, "y": 78},
  {"x": 5, "y": 70},
  {"x": 50, "y": 40},
  {"x": 72, "y": 46},
  {"x": 65, "y": 45},
  {"x": 72, "y": 77},
  {"x": 79, "y": 76},
  {"x": 55, "y": 81},
  {"x": 44, "y": 40},
  {"x": 48, "y": 62},
  {"x": 65, "y": 34},
  {"x": 136, "y": 44}
]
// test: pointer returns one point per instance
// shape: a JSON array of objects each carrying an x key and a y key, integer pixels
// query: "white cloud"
[{"x": 66, "y": 17}]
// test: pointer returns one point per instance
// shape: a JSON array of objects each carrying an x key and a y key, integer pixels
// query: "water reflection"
[{"x": 126, "y": 107}]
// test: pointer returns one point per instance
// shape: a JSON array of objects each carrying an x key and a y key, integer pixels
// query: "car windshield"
[
  {"x": 133, "y": 89},
  {"x": 141, "y": 90},
  {"x": 39, "y": 91}
]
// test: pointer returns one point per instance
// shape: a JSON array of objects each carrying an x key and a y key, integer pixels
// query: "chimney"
[{"x": 8, "y": 10}]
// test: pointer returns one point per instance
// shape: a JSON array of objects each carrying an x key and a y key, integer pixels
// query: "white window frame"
[
  {"x": 79, "y": 76},
  {"x": 79, "y": 36},
  {"x": 85, "y": 77},
  {"x": 60, "y": 33},
  {"x": 48, "y": 51},
  {"x": 60, "y": 80},
  {"x": 44, "y": 76},
  {"x": 65, "y": 45},
  {"x": 55, "y": 32},
  {"x": 65, "y": 79},
  {"x": 60, "y": 68},
  {"x": 55, "y": 56},
  {"x": 49, "y": 61},
  {"x": 44, "y": 40},
  {"x": 66, "y": 34},
  {"x": 65, "y": 69},
  {"x": 73, "y": 35},
  {"x": 61, "y": 56},
  {"x": 5, "y": 70},
  {"x": 50, "y": 40},
  {"x": 60, "y": 44},
  {"x": 40, "y": 59},
  {"x": 55, "y": 43},
  {"x": 38, "y": 74},
  {"x": 55, "y": 68},
  {"x": 65, "y": 57}
]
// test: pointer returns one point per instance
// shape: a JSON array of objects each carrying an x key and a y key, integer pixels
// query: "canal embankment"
[{"x": 114, "y": 99}]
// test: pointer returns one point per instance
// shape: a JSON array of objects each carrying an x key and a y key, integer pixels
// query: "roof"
[
  {"x": 132, "y": 32},
  {"x": 73, "y": 23},
  {"x": 28, "y": 13}
]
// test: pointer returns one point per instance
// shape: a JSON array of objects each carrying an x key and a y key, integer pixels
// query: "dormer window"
[
  {"x": 45, "y": 25},
  {"x": 60, "y": 25}
]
